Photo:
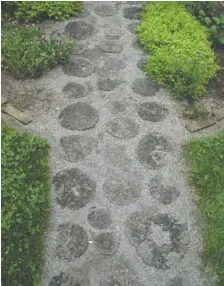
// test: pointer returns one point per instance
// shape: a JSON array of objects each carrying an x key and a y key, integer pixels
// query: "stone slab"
[
  {"x": 194, "y": 126},
  {"x": 79, "y": 49},
  {"x": 4, "y": 101},
  {"x": 105, "y": 10},
  {"x": 133, "y": 13},
  {"x": 80, "y": 30},
  {"x": 219, "y": 114},
  {"x": 16, "y": 113},
  {"x": 79, "y": 67},
  {"x": 113, "y": 33},
  {"x": 111, "y": 46},
  {"x": 79, "y": 116}
]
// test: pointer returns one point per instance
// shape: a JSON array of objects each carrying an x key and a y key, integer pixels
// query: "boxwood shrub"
[
  {"x": 25, "y": 52},
  {"x": 41, "y": 10},
  {"x": 25, "y": 206},
  {"x": 181, "y": 57}
]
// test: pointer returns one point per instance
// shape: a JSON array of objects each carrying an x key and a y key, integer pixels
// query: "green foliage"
[
  {"x": 25, "y": 206},
  {"x": 211, "y": 15},
  {"x": 40, "y": 10},
  {"x": 25, "y": 53},
  {"x": 207, "y": 175},
  {"x": 217, "y": 29},
  {"x": 180, "y": 54},
  {"x": 211, "y": 8},
  {"x": 196, "y": 111}
]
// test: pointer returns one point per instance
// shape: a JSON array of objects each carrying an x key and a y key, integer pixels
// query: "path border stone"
[
  {"x": 194, "y": 126},
  {"x": 219, "y": 114},
  {"x": 15, "y": 113}
]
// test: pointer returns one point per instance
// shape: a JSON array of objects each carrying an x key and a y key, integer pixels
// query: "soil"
[
  {"x": 216, "y": 86},
  {"x": 26, "y": 94}
]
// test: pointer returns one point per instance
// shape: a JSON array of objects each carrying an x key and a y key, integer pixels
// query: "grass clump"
[
  {"x": 180, "y": 54},
  {"x": 196, "y": 111},
  {"x": 207, "y": 175},
  {"x": 40, "y": 10},
  {"x": 25, "y": 52},
  {"x": 25, "y": 206}
]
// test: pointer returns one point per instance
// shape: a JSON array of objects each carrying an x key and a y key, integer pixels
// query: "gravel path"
[{"x": 122, "y": 211}]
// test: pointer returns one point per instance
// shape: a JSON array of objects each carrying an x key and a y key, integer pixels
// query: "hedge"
[
  {"x": 25, "y": 52},
  {"x": 206, "y": 158},
  {"x": 25, "y": 206},
  {"x": 41, "y": 10},
  {"x": 181, "y": 57}
]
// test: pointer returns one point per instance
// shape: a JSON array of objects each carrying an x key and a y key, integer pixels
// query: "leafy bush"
[
  {"x": 26, "y": 53},
  {"x": 211, "y": 15},
  {"x": 216, "y": 29},
  {"x": 40, "y": 10},
  {"x": 211, "y": 8},
  {"x": 207, "y": 175},
  {"x": 180, "y": 54},
  {"x": 25, "y": 206}
]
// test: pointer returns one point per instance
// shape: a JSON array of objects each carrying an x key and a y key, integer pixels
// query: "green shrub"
[
  {"x": 25, "y": 206},
  {"x": 211, "y": 8},
  {"x": 211, "y": 15},
  {"x": 40, "y": 10},
  {"x": 207, "y": 175},
  {"x": 25, "y": 53},
  {"x": 181, "y": 57}
]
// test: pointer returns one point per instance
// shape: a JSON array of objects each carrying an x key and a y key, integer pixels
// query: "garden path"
[{"x": 122, "y": 212}]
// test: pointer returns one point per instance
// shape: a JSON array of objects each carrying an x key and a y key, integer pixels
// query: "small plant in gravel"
[
  {"x": 25, "y": 206},
  {"x": 196, "y": 111},
  {"x": 207, "y": 175},
  {"x": 25, "y": 52},
  {"x": 41, "y": 10},
  {"x": 180, "y": 54}
]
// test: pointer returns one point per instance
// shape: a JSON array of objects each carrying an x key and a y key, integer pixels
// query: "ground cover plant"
[
  {"x": 41, "y": 10},
  {"x": 25, "y": 206},
  {"x": 180, "y": 59},
  {"x": 25, "y": 52},
  {"x": 207, "y": 175},
  {"x": 211, "y": 15}
]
